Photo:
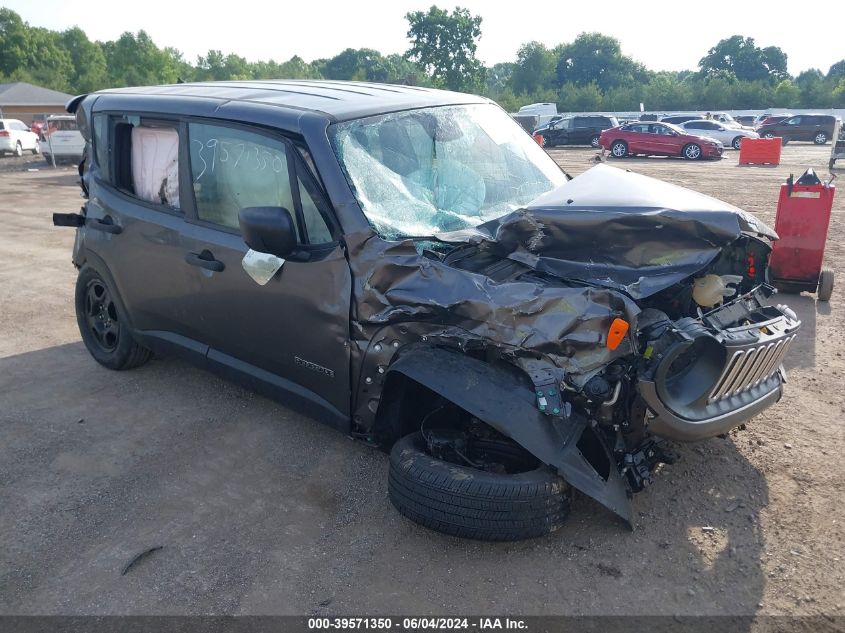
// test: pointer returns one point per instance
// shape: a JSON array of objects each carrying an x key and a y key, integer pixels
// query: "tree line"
[{"x": 588, "y": 74}]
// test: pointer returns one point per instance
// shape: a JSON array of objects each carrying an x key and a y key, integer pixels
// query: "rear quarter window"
[{"x": 101, "y": 146}]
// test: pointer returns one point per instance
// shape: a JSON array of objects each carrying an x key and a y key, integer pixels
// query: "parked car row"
[
  {"x": 59, "y": 137},
  {"x": 816, "y": 128},
  {"x": 647, "y": 136}
]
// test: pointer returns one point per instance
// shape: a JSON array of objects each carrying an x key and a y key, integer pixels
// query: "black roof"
[{"x": 337, "y": 100}]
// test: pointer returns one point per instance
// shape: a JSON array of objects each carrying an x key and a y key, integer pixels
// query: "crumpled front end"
[{"x": 623, "y": 320}]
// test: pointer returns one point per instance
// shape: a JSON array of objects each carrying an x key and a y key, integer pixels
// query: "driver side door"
[{"x": 560, "y": 133}]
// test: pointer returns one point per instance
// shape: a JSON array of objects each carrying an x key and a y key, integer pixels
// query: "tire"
[
  {"x": 47, "y": 159},
  {"x": 619, "y": 149},
  {"x": 769, "y": 135},
  {"x": 820, "y": 138},
  {"x": 37, "y": 149},
  {"x": 103, "y": 325},
  {"x": 692, "y": 152},
  {"x": 472, "y": 503},
  {"x": 825, "y": 284},
  {"x": 737, "y": 142},
  {"x": 594, "y": 141},
  {"x": 19, "y": 149}
]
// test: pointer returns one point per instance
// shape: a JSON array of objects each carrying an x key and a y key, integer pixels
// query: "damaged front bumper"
[{"x": 733, "y": 370}]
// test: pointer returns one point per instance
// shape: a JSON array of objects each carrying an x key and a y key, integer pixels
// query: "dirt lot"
[{"x": 261, "y": 511}]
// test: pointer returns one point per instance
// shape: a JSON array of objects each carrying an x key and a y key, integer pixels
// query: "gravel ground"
[{"x": 258, "y": 510}]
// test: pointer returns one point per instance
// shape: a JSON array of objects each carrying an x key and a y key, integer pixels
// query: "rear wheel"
[
  {"x": 103, "y": 324},
  {"x": 820, "y": 138},
  {"x": 825, "y": 284},
  {"x": 692, "y": 151},
  {"x": 37, "y": 149},
  {"x": 737, "y": 142},
  {"x": 619, "y": 149},
  {"x": 18, "y": 149},
  {"x": 512, "y": 497},
  {"x": 594, "y": 141}
]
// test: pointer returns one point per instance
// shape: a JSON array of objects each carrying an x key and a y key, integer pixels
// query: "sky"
[{"x": 672, "y": 36}]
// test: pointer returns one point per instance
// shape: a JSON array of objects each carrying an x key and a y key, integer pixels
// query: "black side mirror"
[{"x": 268, "y": 230}]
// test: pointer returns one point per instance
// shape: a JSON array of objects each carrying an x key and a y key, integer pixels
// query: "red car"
[{"x": 658, "y": 139}]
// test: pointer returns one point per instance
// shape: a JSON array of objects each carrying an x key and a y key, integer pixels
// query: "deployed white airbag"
[{"x": 155, "y": 164}]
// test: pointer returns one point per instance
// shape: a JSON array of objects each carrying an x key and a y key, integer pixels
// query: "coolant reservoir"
[{"x": 712, "y": 289}]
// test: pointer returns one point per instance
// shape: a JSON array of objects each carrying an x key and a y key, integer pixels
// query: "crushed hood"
[{"x": 621, "y": 230}]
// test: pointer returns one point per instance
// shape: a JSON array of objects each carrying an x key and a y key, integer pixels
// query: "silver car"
[{"x": 728, "y": 136}]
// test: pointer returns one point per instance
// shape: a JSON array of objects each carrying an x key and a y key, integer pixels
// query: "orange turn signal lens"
[{"x": 618, "y": 330}]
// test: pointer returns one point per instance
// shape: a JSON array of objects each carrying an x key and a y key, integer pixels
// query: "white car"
[
  {"x": 63, "y": 138},
  {"x": 727, "y": 120},
  {"x": 728, "y": 136},
  {"x": 16, "y": 138}
]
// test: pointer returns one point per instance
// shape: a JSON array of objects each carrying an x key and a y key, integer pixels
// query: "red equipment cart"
[{"x": 802, "y": 221}]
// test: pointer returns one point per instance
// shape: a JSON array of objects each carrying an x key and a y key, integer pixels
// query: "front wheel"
[
  {"x": 820, "y": 138},
  {"x": 692, "y": 152},
  {"x": 103, "y": 324},
  {"x": 769, "y": 135},
  {"x": 463, "y": 501},
  {"x": 619, "y": 149},
  {"x": 18, "y": 149},
  {"x": 37, "y": 149}
]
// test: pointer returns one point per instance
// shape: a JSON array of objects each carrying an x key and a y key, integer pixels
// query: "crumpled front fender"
[{"x": 503, "y": 397}]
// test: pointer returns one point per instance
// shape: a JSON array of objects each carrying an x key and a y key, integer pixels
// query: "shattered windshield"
[{"x": 422, "y": 172}]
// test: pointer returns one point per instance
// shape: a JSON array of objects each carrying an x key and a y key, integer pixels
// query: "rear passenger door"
[
  {"x": 135, "y": 217},
  {"x": 581, "y": 131},
  {"x": 292, "y": 332}
]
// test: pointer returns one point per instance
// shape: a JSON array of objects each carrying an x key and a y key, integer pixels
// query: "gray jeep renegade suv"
[{"x": 409, "y": 266}]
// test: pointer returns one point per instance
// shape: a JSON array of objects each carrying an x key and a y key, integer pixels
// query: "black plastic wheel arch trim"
[{"x": 504, "y": 398}]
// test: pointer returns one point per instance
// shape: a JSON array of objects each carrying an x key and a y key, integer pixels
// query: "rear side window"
[
  {"x": 63, "y": 125},
  {"x": 2, "y": 125},
  {"x": 232, "y": 169},
  {"x": 145, "y": 159}
]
